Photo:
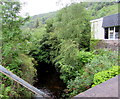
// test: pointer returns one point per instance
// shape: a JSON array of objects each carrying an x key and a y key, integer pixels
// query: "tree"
[
  {"x": 37, "y": 23},
  {"x": 13, "y": 49},
  {"x": 11, "y": 33},
  {"x": 73, "y": 23}
]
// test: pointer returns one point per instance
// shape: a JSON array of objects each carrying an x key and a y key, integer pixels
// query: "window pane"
[
  {"x": 111, "y": 35},
  {"x": 116, "y": 35},
  {"x": 106, "y": 33},
  {"x": 111, "y": 28},
  {"x": 116, "y": 29}
]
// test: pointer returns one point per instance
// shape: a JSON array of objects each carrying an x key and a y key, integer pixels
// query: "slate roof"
[{"x": 112, "y": 20}]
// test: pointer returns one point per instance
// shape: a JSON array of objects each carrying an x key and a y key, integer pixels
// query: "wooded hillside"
[{"x": 96, "y": 10}]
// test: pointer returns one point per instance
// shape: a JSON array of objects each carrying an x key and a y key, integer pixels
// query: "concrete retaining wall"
[
  {"x": 108, "y": 88},
  {"x": 105, "y": 44}
]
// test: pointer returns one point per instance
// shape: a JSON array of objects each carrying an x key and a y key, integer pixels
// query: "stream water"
[{"x": 48, "y": 81}]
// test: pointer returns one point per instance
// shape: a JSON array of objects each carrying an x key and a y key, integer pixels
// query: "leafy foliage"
[
  {"x": 6, "y": 91},
  {"x": 41, "y": 19},
  {"x": 72, "y": 25},
  {"x": 65, "y": 43},
  {"x": 101, "y": 9},
  {"x": 14, "y": 44},
  {"x": 101, "y": 61},
  {"x": 96, "y": 10},
  {"x": 85, "y": 57},
  {"x": 27, "y": 65},
  {"x": 105, "y": 75},
  {"x": 67, "y": 60}
]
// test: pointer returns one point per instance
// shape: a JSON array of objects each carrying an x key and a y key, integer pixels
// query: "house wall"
[
  {"x": 97, "y": 31},
  {"x": 98, "y": 40}
]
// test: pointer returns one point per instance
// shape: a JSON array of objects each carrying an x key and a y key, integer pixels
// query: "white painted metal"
[{"x": 22, "y": 82}]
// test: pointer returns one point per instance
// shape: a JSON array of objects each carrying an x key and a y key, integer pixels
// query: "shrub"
[
  {"x": 27, "y": 67},
  {"x": 7, "y": 92},
  {"x": 102, "y": 60},
  {"x": 105, "y": 75},
  {"x": 77, "y": 85},
  {"x": 85, "y": 57},
  {"x": 99, "y": 63}
]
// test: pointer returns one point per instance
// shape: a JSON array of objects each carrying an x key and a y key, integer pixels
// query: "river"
[{"x": 48, "y": 81}]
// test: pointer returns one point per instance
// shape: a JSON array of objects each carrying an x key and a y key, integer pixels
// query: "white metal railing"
[{"x": 22, "y": 82}]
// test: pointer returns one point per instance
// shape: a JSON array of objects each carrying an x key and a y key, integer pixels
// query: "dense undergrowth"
[
  {"x": 14, "y": 51},
  {"x": 63, "y": 41}
]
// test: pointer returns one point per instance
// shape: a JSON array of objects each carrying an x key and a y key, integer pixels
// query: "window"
[
  {"x": 111, "y": 28},
  {"x": 106, "y": 33},
  {"x": 111, "y": 35},
  {"x": 116, "y": 32},
  {"x": 116, "y": 35},
  {"x": 112, "y": 32}
]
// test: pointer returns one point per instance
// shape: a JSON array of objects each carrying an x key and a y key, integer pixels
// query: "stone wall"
[{"x": 105, "y": 44}]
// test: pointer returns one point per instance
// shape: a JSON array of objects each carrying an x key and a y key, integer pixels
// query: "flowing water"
[{"x": 48, "y": 81}]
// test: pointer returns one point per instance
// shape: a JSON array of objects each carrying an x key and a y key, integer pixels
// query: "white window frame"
[{"x": 111, "y": 31}]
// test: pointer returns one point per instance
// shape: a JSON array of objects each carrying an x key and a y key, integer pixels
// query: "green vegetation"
[
  {"x": 105, "y": 75},
  {"x": 101, "y": 9},
  {"x": 40, "y": 19},
  {"x": 14, "y": 51},
  {"x": 63, "y": 40},
  {"x": 95, "y": 9},
  {"x": 94, "y": 43},
  {"x": 102, "y": 60}
]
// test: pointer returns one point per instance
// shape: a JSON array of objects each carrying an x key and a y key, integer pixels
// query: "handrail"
[{"x": 22, "y": 82}]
